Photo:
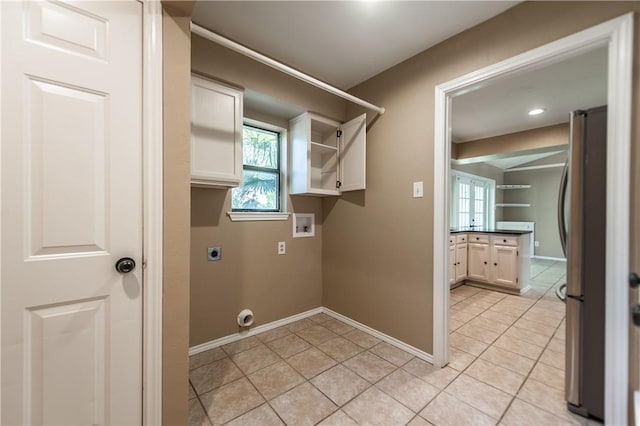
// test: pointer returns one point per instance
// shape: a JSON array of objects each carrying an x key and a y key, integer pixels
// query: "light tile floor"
[{"x": 506, "y": 366}]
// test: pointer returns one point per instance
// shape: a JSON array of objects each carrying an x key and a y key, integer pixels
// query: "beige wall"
[
  {"x": 222, "y": 64},
  {"x": 378, "y": 244},
  {"x": 541, "y": 139},
  {"x": 543, "y": 197},
  {"x": 251, "y": 274},
  {"x": 177, "y": 121}
]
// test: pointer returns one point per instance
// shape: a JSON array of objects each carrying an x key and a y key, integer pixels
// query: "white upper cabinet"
[
  {"x": 327, "y": 157},
  {"x": 216, "y": 134}
]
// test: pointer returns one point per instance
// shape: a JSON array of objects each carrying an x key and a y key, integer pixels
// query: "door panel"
[
  {"x": 478, "y": 258},
  {"x": 461, "y": 262},
  {"x": 353, "y": 154},
  {"x": 71, "y": 195},
  {"x": 505, "y": 265},
  {"x": 54, "y": 109},
  {"x": 452, "y": 264}
]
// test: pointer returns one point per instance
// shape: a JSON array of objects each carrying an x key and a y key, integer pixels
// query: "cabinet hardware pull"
[
  {"x": 485, "y": 263},
  {"x": 495, "y": 264}
]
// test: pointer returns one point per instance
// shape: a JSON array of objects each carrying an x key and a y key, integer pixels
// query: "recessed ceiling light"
[{"x": 536, "y": 111}]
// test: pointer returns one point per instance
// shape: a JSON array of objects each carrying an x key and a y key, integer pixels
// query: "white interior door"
[{"x": 71, "y": 206}]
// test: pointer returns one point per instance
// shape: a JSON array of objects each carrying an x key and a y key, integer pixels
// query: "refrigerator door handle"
[
  {"x": 562, "y": 227},
  {"x": 575, "y": 171}
]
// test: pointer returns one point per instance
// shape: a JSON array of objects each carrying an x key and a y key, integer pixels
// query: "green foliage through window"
[{"x": 260, "y": 190}]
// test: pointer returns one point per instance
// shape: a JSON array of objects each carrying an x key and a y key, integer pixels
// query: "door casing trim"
[
  {"x": 617, "y": 34},
  {"x": 152, "y": 169}
]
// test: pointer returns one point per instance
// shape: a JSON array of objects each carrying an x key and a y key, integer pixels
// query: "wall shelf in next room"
[
  {"x": 513, "y": 186},
  {"x": 513, "y": 205}
]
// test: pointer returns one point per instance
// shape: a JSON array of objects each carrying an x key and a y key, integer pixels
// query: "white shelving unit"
[
  {"x": 327, "y": 157},
  {"x": 513, "y": 186}
]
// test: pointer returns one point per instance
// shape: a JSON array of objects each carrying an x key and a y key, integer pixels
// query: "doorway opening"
[{"x": 617, "y": 35}]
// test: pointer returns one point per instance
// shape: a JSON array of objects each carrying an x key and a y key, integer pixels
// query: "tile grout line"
[
  {"x": 536, "y": 361},
  {"x": 395, "y": 366}
]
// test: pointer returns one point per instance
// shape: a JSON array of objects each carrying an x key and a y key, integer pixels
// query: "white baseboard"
[
  {"x": 279, "y": 323},
  {"x": 251, "y": 332},
  {"x": 384, "y": 337},
  {"x": 557, "y": 259}
]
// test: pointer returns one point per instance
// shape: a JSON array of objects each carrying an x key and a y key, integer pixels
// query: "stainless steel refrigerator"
[{"x": 581, "y": 219}]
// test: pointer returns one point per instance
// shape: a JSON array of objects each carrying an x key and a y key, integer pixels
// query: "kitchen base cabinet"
[
  {"x": 457, "y": 259},
  {"x": 498, "y": 262}
]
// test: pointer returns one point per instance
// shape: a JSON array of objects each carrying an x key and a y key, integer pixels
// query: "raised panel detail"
[
  {"x": 216, "y": 132},
  {"x": 66, "y": 164},
  {"x": 62, "y": 26},
  {"x": 66, "y": 365}
]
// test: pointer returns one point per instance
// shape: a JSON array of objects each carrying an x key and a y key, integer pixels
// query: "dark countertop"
[{"x": 487, "y": 231}]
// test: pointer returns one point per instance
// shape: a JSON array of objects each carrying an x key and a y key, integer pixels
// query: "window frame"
[
  {"x": 269, "y": 215},
  {"x": 489, "y": 202}
]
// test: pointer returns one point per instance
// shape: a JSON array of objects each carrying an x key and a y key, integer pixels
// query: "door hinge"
[
  {"x": 338, "y": 184},
  {"x": 516, "y": 280},
  {"x": 339, "y": 133},
  {"x": 517, "y": 253}
]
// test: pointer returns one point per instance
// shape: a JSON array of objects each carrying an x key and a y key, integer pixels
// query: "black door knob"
[
  {"x": 634, "y": 280},
  {"x": 635, "y": 314},
  {"x": 125, "y": 265}
]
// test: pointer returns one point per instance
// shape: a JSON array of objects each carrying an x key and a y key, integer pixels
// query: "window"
[
  {"x": 260, "y": 190},
  {"x": 472, "y": 200}
]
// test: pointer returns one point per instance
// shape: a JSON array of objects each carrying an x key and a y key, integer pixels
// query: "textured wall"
[
  {"x": 251, "y": 274},
  {"x": 177, "y": 122},
  {"x": 378, "y": 244}
]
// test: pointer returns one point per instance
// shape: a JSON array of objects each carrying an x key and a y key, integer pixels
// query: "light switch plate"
[{"x": 418, "y": 190}]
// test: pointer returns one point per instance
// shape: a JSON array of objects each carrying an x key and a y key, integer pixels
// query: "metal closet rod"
[{"x": 217, "y": 38}]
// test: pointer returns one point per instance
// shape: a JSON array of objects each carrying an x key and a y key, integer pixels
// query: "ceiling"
[
  {"x": 342, "y": 42},
  {"x": 347, "y": 42},
  {"x": 501, "y": 106}
]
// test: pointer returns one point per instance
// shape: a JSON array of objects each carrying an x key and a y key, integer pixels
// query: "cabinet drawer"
[
  {"x": 479, "y": 238},
  {"x": 462, "y": 238},
  {"x": 505, "y": 240}
]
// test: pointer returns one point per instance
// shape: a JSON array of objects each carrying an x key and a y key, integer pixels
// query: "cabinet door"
[
  {"x": 452, "y": 264},
  {"x": 216, "y": 134},
  {"x": 505, "y": 266},
  {"x": 478, "y": 262},
  {"x": 461, "y": 262},
  {"x": 353, "y": 152}
]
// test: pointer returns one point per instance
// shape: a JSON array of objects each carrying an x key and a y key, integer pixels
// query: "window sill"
[{"x": 257, "y": 216}]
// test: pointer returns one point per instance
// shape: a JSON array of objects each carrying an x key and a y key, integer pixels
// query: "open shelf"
[
  {"x": 323, "y": 167},
  {"x": 322, "y": 148},
  {"x": 513, "y": 186}
]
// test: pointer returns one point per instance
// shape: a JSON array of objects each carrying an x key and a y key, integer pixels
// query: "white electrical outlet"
[
  {"x": 536, "y": 244},
  {"x": 418, "y": 190},
  {"x": 282, "y": 247}
]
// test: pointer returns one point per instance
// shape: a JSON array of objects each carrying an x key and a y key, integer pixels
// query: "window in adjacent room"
[
  {"x": 261, "y": 175},
  {"x": 472, "y": 200}
]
